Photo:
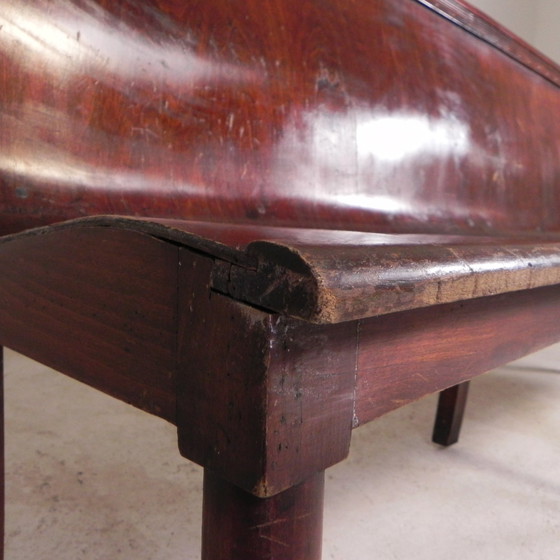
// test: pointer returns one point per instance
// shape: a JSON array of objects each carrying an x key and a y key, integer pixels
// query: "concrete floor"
[{"x": 91, "y": 478}]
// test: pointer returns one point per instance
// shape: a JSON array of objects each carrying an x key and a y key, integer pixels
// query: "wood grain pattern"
[
  {"x": 96, "y": 304},
  {"x": 331, "y": 283},
  {"x": 304, "y": 200},
  {"x": 485, "y": 28},
  {"x": 330, "y": 276},
  {"x": 375, "y": 115},
  {"x": 276, "y": 395},
  {"x": 236, "y": 525},
  {"x": 405, "y": 356}
]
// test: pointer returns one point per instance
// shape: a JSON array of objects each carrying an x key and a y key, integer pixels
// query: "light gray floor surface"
[{"x": 91, "y": 478}]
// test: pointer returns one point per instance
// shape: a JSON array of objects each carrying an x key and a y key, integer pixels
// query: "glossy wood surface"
[
  {"x": 274, "y": 163},
  {"x": 377, "y": 115}
]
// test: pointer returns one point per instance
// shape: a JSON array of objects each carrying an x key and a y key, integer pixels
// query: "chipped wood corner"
[
  {"x": 282, "y": 281},
  {"x": 255, "y": 377}
]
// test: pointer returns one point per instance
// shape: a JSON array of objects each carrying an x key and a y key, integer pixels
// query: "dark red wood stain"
[
  {"x": 237, "y": 525},
  {"x": 82, "y": 301},
  {"x": 298, "y": 216},
  {"x": 376, "y": 115},
  {"x": 276, "y": 394},
  {"x": 406, "y": 356}
]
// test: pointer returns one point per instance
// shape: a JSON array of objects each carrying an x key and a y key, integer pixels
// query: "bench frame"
[{"x": 264, "y": 402}]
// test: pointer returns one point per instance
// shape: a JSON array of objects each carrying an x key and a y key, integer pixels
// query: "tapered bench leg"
[
  {"x": 449, "y": 416},
  {"x": 239, "y": 526}
]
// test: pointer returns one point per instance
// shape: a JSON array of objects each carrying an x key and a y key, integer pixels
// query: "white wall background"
[
  {"x": 547, "y": 33},
  {"x": 536, "y": 21}
]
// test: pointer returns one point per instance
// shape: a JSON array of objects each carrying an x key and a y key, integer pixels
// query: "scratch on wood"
[
  {"x": 461, "y": 260},
  {"x": 269, "y": 524},
  {"x": 281, "y": 543},
  {"x": 278, "y": 521}
]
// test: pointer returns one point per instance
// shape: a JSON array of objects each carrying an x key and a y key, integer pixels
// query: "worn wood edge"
[
  {"x": 301, "y": 282},
  {"x": 220, "y": 339},
  {"x": 487, "y": 29},
  {"x": 397, "y": 282},
  {"x": 282, "y": 281},
  {"x": 257, "y": 381},
  {"x": 458, "y": 278}
]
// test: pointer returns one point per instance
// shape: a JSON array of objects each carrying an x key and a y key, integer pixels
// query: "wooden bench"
[{"x": 269, "y": 222}]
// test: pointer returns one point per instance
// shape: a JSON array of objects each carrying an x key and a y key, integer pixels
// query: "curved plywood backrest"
[{"x": 374, "y": 115}]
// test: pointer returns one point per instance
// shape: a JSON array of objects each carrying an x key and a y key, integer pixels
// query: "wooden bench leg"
[
  {"x": 239, "y": 526},
  {"x": 449, "y": 416}
]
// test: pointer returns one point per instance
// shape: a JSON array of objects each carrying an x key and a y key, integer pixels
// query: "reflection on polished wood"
[
  {"x": 271, "y": 221},
  {"x": 377, "y": 116}
]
